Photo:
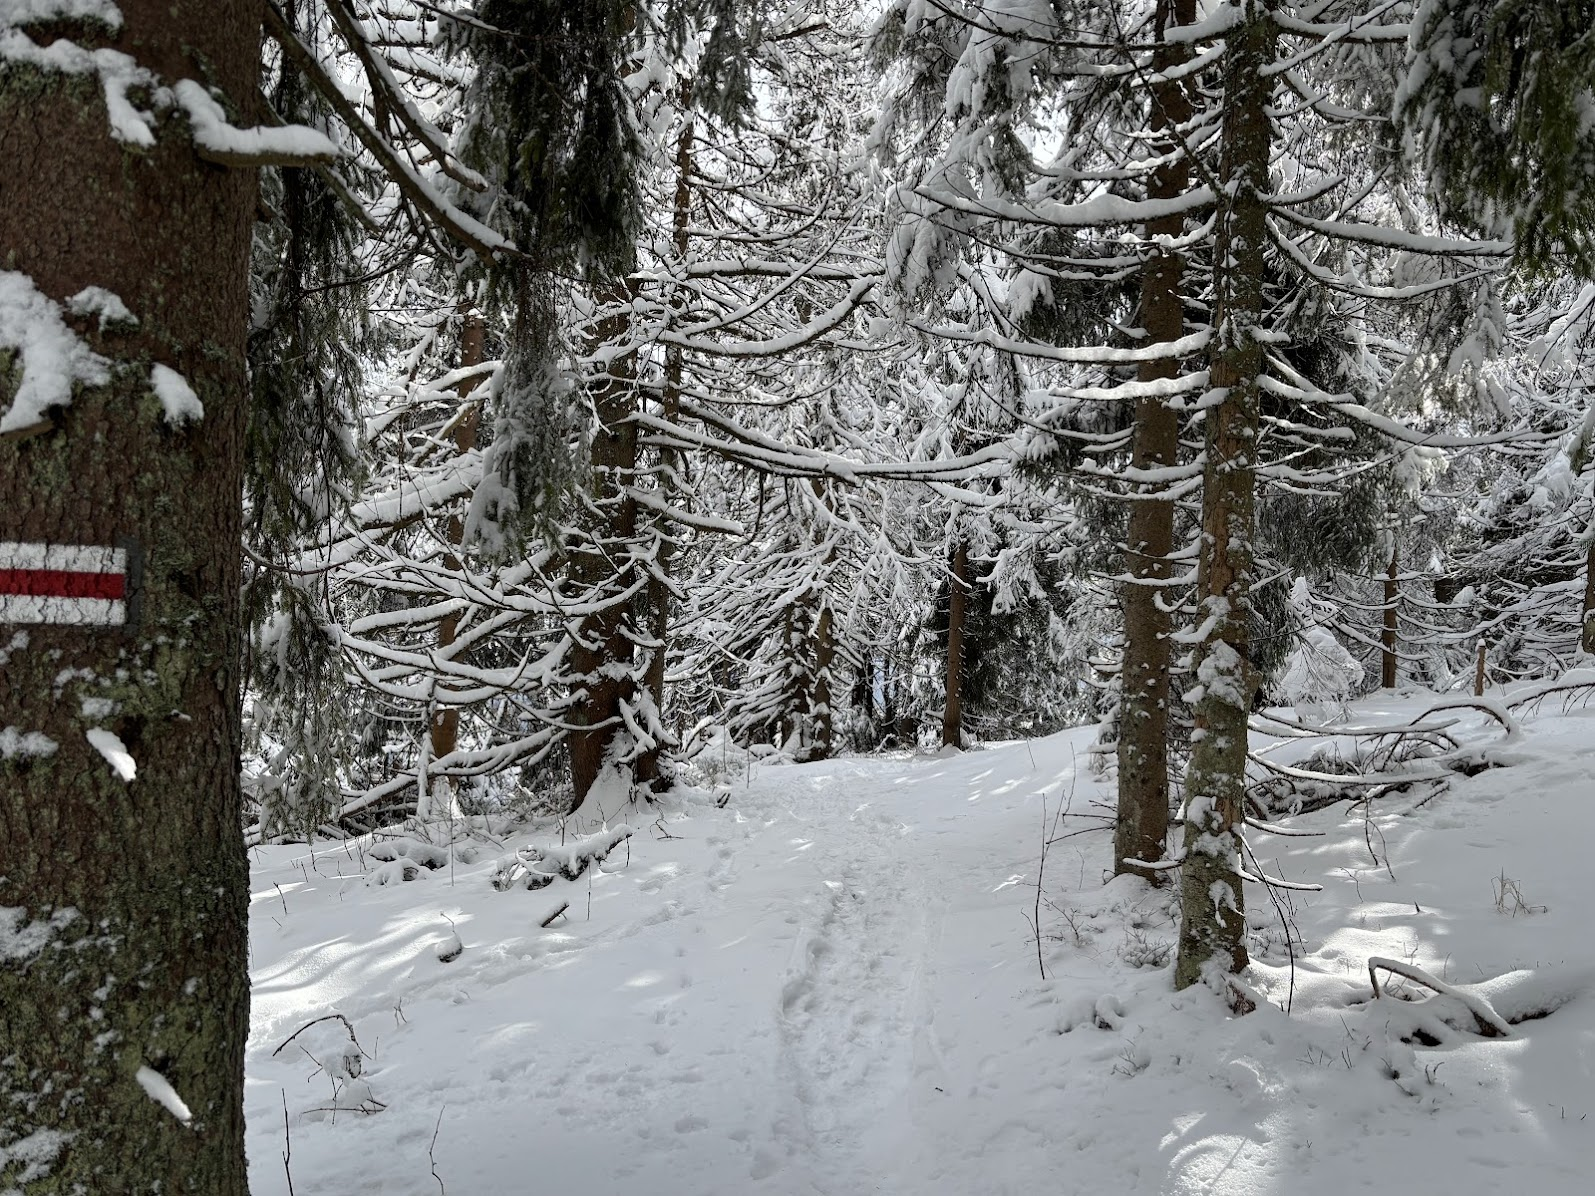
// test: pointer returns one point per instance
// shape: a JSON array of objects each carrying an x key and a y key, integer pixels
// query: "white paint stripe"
[
  {"x": 41, "y": 608},
  {"x": 69, "y": 558}
]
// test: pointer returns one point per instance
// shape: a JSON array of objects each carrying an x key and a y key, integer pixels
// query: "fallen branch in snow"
[
  {"x": 1490, "y": 1023},
  {"x": 368, "y": 1107},
  {"x": 1578, "y": 683},
  {"x": 548, "y": 920},
  {"x": 1426, "y": 747},
  {"x": 343, "y": 1065},
  {"x": 1378, "y": 779},
  {"x": 347, "y": 1025},
  {"x": 535, "y": 867},
  {"x": 1287, "y": 832},
  {"x": 1302, "y": 730}
]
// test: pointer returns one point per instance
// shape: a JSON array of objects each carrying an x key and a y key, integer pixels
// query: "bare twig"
[
  {"x": 1041, "y": 869},
  {"x": 1368, "y": 831},
  {"x": 287, "y": 1144},
  {"x": 432, "y": 1157}
]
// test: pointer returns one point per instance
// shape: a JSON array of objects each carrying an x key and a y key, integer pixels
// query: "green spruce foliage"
[{"x": 1501, "y": 94}]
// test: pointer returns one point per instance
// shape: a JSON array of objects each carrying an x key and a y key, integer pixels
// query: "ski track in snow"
[{"x": 829, "y": 988}]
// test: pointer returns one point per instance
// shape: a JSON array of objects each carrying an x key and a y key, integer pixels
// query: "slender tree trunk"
[
  {"x": 822, "y": 687},
  {"x": 1143, "y": 808},
  {"x": 123, "y": 902},
  {"x": 952, "y": 719},
  {"x": 794, "y": 723},
  {"x": 659, "y": 595},
  {"x": 1478, "y": 670},
  {"x": 602, "y": 655},
  {"x": 823, "y": 719},
  {"x": 445, "y": 722},
  {"x": 1387, "y": 639},
  {"x": 1213, "y": 923},
  {"x": 1587, "y": 628}
]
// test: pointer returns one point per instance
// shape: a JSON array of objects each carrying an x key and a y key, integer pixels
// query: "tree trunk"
[
  {"x": 824, "y": 721},
  {"x": 601, "y": 565},
  {"x": 1587, "y": 628},
  {"x": 1213, "y": 922},
  {"x": 123, "y": 903},
  {"x": 659, "y": 595},
  {"x": 952, "y": 719},
  {"x": 445, "y": 724},
  {"x": 794, "y": 724},
  {"x": 1143, "y": 807},
  {"x": 1387, "y": 638}
]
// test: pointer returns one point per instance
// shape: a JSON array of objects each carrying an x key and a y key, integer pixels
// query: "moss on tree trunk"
[
  {"x": 127, "y": 900},
  {"x": 1212, "y": 904}
]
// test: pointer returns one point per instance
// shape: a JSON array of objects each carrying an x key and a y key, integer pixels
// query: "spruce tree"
[
  {"x": 1498, "y": 95},
  {"x": 1141, "y": 829},
  {"x": 124, "y": 890},
  {"x": 1212, "y": 898}
]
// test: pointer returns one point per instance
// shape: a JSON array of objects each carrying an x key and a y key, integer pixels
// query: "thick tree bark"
[
  {"x": 952, "y": 719},
  {"x": 1387, "y": 638},
  {"x": 444, "y": 727},
  {"x": 600, "y": 566},
  {"x": 1143, "y": 807},
  {"x": 123, "y": 903},
  {"x": 1213, "y": 920}
]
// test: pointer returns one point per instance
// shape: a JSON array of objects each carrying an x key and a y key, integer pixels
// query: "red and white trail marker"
[{"x": 73, "y": 584}]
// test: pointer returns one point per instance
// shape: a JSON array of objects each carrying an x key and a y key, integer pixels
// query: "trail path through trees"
[{"x": 829, "y": 987}]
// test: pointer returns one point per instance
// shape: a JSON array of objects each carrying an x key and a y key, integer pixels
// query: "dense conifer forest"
[{"x": 1131, "y": 458}]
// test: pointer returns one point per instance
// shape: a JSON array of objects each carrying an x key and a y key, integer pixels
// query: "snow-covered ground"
[{"x": 831, "y": 986}]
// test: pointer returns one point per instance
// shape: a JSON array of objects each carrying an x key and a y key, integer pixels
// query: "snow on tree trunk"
[
  {"x": 824, "y": 719},
  {"x": 1143, "y": 801},
  {"x": 1213, "y": 926},
  {"x": 445, "y": 721},
  {"x": 600, "y": 564},
  {"x": 123, "y": 883},
  {"x": 659, "y": 596}
]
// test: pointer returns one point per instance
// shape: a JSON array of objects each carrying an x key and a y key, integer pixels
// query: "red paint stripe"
[{"x": 60, "y": 583}]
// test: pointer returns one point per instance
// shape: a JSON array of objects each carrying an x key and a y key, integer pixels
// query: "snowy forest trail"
[
  {"x": 756, "y": 1002},
  {"x": 863, "y": 1064},
  {"x": 830, "y": 987}
]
